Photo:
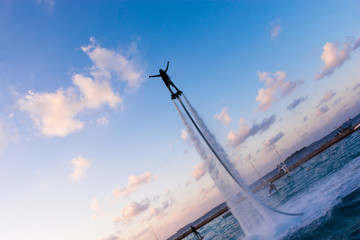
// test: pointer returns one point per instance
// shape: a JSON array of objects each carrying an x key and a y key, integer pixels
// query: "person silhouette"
[
  {"x": 197, "y": 234},
  {"x": 167, "y": 80}
]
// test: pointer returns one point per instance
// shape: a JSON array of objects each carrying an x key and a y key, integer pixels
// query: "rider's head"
[{"x": 161, "y": 71}]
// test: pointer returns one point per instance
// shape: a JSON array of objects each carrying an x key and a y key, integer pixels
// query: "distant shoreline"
[
  {"x": 317, "y": 151},
  {"x": 298, "y": 163}
]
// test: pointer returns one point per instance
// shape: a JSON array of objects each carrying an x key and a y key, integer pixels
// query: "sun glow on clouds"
[
  {"x": 134, "y": 182},
  {"x": 55, "y": 114}
]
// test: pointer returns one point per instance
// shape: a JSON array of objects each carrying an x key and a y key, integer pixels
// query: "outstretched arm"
[
  {"x": 154, "y": 76},
  {"x": 167, "y": 66}
]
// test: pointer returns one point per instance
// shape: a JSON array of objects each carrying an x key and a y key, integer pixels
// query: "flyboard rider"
[{"x": 167, "y": 80}]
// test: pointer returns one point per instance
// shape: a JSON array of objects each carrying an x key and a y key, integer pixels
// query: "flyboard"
[{"x": 222, "y": 163}]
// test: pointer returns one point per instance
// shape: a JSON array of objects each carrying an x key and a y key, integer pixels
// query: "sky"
[{"x": 93, "y": 149}]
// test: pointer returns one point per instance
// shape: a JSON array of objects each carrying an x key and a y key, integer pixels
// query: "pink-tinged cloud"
[
  {"x": 224, "y": 116},
  {"x": 334, "y": 55},
  {"x": 276, "y": 87},
  {"x": 199, "y": 171},
  {"x": 244, "y": 132},
  {"x": 322, "y": 110},
  {"x": 134, "y": 182},
  {"x": 328, "y": 95},
  {"x": 132, "y": 210},
  {"x": 80, "y": 166}
]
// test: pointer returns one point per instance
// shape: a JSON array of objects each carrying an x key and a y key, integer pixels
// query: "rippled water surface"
[{"x": 326, "y": 189}]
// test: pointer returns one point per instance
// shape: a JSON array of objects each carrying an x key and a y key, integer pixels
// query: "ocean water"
[{"x": 326, "y": 189}]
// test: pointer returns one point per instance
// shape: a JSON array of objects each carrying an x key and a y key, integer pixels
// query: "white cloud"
[
  {"x": 328, "y": 95},
  {"x": 80, "y": 166},
  {"x": 199, "y": 171},
  {"x": 56, "y": 113},
  {"x": 275, "y": 30},
  {"x": 275, "y": 84},
  {"x": 107, "y": 62},
  {"x": 53, "y": 113},
  {"x": 102, "y": 121},
  {"x": 95, "y": 93},
  {"x": 335, "y": 54},
  {"x": 134, "y": 182},
  {"x": 244, "y": 132},
  {"x": 132, "y": 210},
  {"x": 224, "y": 116}
]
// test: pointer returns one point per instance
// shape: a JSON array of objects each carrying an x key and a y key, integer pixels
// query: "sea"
[{"x": 326, "y": 189}]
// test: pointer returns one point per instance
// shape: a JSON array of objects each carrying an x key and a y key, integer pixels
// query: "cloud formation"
[
  {"x": 80, "y": 166},
  {"x": 96, "y": 208},
  {"x": 159, "y": 212},
  {"x": 134, "y": 182},
  {"x": 328, "y": 95},
  {"x": 276, "y": 87},
  {"x": 102, "y": 121},
  {"x": 335, "y": 54},
  {"x": 107, "y": 62},
  {"x": 268, "y": 144},
  {"x": 244, "y": 132},
  {"x": 199, "y": 170},
  {"x": 275, "y": 30},
  {"x": 322, "y": 110},
  {"x": 56, "y": 113},
  {"x": 224, "y": 116},
  {"x": 132, "y": 210},
  {"x": 295, "y": 103}
]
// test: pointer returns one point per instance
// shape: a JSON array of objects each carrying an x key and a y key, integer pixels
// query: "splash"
[{"x": 256, "y": 219}]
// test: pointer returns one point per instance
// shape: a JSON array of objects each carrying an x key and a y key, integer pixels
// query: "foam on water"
[{"x": 257, "y": 221}]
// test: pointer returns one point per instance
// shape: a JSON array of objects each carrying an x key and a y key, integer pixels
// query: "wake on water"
[{"x": 256, "y": 219}]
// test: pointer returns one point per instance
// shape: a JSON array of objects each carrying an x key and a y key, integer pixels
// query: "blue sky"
[{"x": 91, "y": 148}]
